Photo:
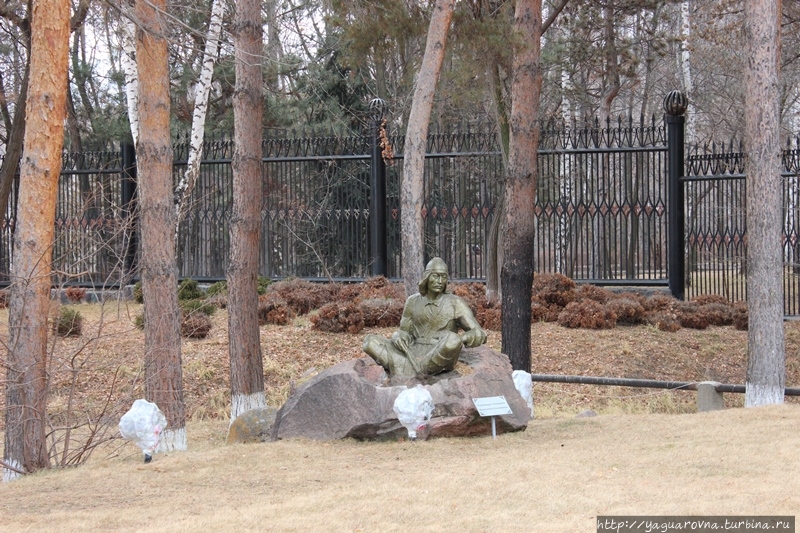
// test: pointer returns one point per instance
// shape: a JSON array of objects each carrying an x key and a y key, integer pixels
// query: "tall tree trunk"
[
  {"x": 157, "y": 267},
  {"x": 766, "y": 365},
  {"x": 412, "y": 188},
  {"x": 247, "y": 374},
  {"x": 494, "y": 245},
  {"x": 520, "y": 192},
  {"x": 186, "y": 185},
  {"x": 14, "y": 146},
  {"x": 26, "y": 385}
]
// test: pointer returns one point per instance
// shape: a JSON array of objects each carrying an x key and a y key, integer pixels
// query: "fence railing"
[
  {"x": 716, "y": 225},
  {"x": 598, "y": 183}
]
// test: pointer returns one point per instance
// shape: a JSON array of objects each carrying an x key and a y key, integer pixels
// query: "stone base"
[{"x": 355, "y": 399}]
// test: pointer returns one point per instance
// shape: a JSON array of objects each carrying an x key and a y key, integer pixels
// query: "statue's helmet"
[{"x": 434, "y": 265}]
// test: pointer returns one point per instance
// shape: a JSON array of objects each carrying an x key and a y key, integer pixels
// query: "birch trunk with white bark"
[{"x": 202, "y": 90}]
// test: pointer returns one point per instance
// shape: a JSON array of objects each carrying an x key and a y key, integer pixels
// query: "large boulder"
[{"x": 355, "y": 399}]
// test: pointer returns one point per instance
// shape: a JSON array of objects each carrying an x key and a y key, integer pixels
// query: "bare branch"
[{"x": 556, "y": 11}]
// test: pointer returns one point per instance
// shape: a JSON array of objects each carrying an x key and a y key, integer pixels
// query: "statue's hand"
[
  {"x": 473, "y": 338},
  {"x": 401, "y": 340}
]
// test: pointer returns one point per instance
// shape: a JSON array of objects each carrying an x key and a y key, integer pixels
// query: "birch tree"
[
  {"x": 128, "y": 61},
  {"x": 247, "y": 374},
  {"x": 25, "y": 448},
  {"x": 202, "y": 91},
  {"x": 412, "y": 187},
  {"x": 766, "y": 351},
  {"x": 157, "y": 266}
]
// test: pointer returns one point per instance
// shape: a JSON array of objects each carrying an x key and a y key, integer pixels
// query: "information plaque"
[{"x": 492, "y": 406}]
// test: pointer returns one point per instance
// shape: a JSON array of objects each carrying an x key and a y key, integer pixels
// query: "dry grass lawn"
[
  {"x": 555, "y": 477},
  {"x": 644, "y": 454}
]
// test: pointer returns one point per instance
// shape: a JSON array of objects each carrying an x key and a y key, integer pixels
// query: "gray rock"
[
  {"x": 254, "y": 425},
  {"x": 355, "y": 399},
  {"x": 588, "y": 413}
]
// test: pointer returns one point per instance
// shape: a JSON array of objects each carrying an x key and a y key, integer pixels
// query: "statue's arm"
[
  {"x": 402, "y": 337},
  {"x": 473, "y": 335}
]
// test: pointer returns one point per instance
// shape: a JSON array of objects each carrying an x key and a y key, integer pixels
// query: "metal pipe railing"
[{"x": 644, "y": 383}]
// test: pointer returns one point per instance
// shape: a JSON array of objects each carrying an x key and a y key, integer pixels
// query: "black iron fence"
[
  {"x": 716, "y": 225},
  {"x": 601, "y": 212}
]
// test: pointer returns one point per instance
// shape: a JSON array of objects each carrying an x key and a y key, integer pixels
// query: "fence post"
[
  {"x": 377, "y": 194},
  {"x": 129, "y": 207},
  {"x": 675, "y": 104}
]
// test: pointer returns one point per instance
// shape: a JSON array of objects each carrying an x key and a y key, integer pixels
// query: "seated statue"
[{"x": 427, "y": 342}]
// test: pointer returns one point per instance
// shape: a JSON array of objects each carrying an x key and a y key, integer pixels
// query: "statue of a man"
[{"x": 428, "y": 341}]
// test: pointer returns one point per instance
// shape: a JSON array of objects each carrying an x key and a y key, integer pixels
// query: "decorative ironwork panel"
[{"x": 716, "y": 229}]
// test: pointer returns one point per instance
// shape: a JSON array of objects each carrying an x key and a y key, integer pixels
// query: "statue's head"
[{"x": 436, "y": 265}]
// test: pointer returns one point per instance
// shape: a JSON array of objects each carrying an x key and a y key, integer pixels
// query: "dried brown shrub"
[
  {"x": 628, "y": 311},
  {"x": 75, "y": 294},
  {"x": 635, "y": 296},
  {"x": 377, "y": 287},
  {"x": 717, "y": 314},
  {"x": 598, "y": 294},
  {"x": 218, "y": 300},
  {"x": 660, "y": 302},
  {"x": 553, "y": 289},
  {"x": 381, "y": 312},
  {"x": 303, "y": 296},
  {"x": 689, "y": 317},
  {"x": 740, "y": 315},
  {"x": 5, "y": 295},
  {"x": 336, "y": 317},
  {"x": 539, "y": 312},
  {"x": 587, "y": 314},
  {"x": 704, "y": 299},
  {"x": 490, "y": 316},
  {"x": 474, "y": 294},
  {"x": 664, "y": 321},
  {"x": 195, "y": 325},
  {"x": 273, "y": 309}
]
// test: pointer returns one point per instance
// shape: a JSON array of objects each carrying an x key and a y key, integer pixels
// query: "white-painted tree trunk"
[
  {"x": 10, "y": 474},
  {"x": 202, "y": 90},
  {"x": 128, "y": 61},
  {"x": 241, "y": 403},
  {"x": 172, "y": 440}
]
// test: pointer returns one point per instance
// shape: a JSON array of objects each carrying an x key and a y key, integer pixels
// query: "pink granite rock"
[{"x": 355, "y": 399}]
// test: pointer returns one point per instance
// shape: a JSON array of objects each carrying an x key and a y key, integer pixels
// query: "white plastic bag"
[
  {"x": 143, "y": 425},
  {"x": 524, "y": 385},
  {"x": 414, "y": 407}
]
